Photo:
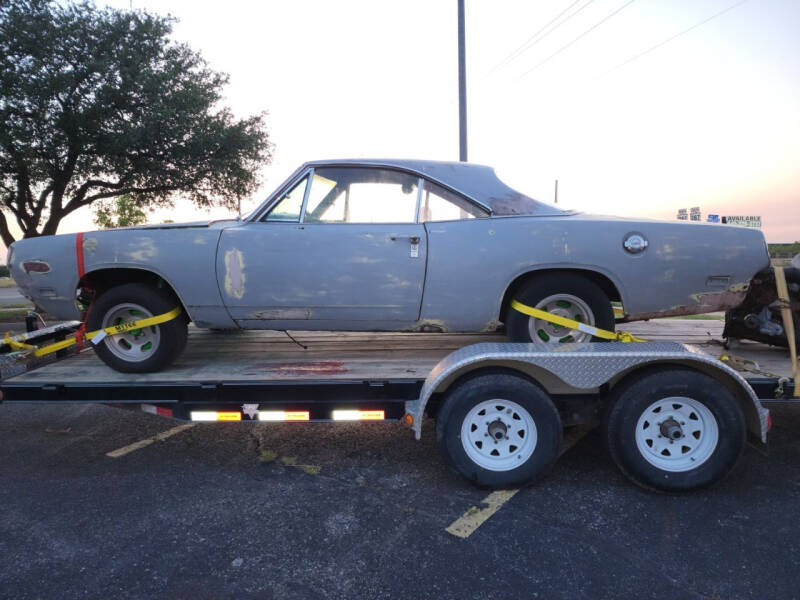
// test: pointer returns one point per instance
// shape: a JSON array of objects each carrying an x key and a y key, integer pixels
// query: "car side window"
[
  {"x": 439, "y": 204},
  {"x": 288, "y": 208},
  {"x": 361, "y": 195}
]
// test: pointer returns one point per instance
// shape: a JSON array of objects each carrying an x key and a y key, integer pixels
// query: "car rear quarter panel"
[
  {"x": 53, "y": 291},
  {"x": 471, "y": 263}
]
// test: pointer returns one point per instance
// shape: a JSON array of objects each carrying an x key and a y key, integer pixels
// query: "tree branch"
[{"x": 5, "y": 233}]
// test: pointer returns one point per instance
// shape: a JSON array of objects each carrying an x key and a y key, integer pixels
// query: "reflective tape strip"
[
  {"x": 358, "y": 415},
  {"x": 621, "y": 336},
  {"x": 214, "y": 415},
  {"x": 283, "y": 415}
]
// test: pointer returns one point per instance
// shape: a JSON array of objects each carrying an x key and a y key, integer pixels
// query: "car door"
[{"x": 340, "y": 250}]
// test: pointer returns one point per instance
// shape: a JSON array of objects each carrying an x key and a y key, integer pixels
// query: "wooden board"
[{"x": 254, "y": 355}]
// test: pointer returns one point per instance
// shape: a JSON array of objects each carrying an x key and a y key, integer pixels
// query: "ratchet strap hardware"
[
  {"x": 618, "y": 336},
  {"x": 97, "y": 335},
  {"x": 745, "y": 365}
]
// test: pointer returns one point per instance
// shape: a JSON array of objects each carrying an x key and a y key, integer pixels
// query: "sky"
[{"x": 630, "y": 112}]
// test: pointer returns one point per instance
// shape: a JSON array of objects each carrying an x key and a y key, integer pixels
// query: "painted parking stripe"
[
  {"x": 467, "y": 523},
  {"x": 147, "y": 441},
  {"x": 475, "y": 517}
]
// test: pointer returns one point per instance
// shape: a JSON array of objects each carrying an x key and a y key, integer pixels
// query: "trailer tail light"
[
  {"x": 283, "y": 415},
  {"x": 212, "y": 415},
  {"x": 358, "y": 415}
]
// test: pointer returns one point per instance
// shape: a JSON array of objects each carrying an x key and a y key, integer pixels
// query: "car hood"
[{"x": 221, "y": 223}]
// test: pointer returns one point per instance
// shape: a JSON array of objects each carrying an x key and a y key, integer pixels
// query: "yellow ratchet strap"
[
  {"x": 788, "y": 325},
  {"x": 122, "y": 327},
  {"x": 619, "y": 336}
]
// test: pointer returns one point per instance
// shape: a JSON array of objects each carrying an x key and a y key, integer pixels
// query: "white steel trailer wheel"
[
  {"x": 498, "y": 428},
  {"x": 677, "y": 434},
  {"x": 563, "y": 305},
  {"x": 672, "y": 428},
  {"x": 134, "y": 345},
  {"x": 498, "y": 435}
]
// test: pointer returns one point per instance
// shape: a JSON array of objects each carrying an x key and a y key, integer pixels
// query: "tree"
[
  {"x": 122, "y": 211},
  {"x": 97, "y": 103}
]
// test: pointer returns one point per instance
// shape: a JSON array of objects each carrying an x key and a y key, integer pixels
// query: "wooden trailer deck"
[{"x": 274, "y": 356}]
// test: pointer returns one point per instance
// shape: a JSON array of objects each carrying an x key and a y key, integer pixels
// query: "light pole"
[{"x": 462, "y": 87}]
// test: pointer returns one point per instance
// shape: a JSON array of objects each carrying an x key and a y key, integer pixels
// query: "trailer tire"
[
  {"x": 674, "y": 429},
  {"x": 498, "y": 430},
  {"x": 137, "y": 300}
]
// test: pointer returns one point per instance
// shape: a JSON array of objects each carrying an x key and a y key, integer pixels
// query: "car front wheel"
[
  {"x": 563, "y": 294},
  {"x": 143, "y": 349}
]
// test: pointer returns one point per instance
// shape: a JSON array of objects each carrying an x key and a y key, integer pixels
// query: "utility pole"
[
  {"x": 556, "y": 191},
  {"x": 462, "y": 87}
]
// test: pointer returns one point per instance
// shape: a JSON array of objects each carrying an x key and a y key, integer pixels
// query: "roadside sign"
[{"x": 743, "y": 220}]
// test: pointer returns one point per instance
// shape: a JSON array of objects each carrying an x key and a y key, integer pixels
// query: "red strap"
[
  {"x": 80, "y": 335},
  {"x": 79, "y": 255}
]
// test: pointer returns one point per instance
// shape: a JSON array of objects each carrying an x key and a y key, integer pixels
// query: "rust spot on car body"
[
  {"x": 429, "y": 326},
  {"x": 705, "y": 302},
  {"x": 291, "y": 314}
]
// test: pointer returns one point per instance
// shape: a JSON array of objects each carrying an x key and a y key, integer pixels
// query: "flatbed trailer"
[{"x": 512, "y": 395}]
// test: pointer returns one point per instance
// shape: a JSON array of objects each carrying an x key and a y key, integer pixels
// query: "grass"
[
  {"x": 707, "y": 317},
  {"x": 12, "y": 314}
]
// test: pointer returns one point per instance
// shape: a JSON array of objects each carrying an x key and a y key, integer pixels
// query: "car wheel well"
[
  {"x": 95, "y": 283},
  {"x": 601, "y": 280}
]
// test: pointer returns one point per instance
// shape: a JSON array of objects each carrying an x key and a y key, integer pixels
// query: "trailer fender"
[{"x": 582, "y": 368}]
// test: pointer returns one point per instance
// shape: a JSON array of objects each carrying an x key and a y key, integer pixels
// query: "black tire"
[
  {"x": 549, "y": 284},
  {"x": 171, "y": 335},
  {"x": 632, "y": 398},
  {"x": 469, "y": 394}
]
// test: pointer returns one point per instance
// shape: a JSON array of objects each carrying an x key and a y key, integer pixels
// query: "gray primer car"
[{"x": 400, "y": 245}]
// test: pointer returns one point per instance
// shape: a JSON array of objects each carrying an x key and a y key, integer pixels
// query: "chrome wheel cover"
[
  {"x": 563, "y": 305},
  {"x": 134, "y": 345}
]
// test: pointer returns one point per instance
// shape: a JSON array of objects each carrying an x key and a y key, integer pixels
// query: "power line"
[
  {"x": 577, "y": 39},
  {"x": 677, "y": 35},
  {"x": 531, "y": 41}
]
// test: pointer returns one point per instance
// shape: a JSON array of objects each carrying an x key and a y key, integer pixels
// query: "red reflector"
[
  {"x": 164, "y": 412},
  {"x": 36, "y": 266},
  {"x": 769, "y": 422}
]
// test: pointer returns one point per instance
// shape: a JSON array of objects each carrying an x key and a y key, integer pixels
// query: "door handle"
[{"x": 414, "y": 239}]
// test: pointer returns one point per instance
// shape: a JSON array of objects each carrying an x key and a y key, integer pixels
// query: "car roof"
[{"x": 478, "y": 182}]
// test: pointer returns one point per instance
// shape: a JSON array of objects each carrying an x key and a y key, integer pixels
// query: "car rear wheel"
[
  {"x": 139, "y": 350},
  {"x": 564, "y": 294}
]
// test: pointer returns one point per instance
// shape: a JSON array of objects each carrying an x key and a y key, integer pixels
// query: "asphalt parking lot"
[{"x": 360, "y": 511}]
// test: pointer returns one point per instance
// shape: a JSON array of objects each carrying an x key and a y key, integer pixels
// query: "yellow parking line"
[
  {"x": 147, "y": 441},
  {"x": 475, "y": 517},
  {"x": 467, "y": 523}
]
